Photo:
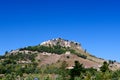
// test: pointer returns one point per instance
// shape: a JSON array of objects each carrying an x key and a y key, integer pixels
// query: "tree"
[
  {"x": 77, "y": 70},
  {"x": 63, "y": 71},
  {"x": 104, "y": 67},
  {"x": 111, "y": 62},
  {"x": 6, "y": 52}
]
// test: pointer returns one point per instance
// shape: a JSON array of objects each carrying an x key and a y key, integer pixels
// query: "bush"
[{"x": 82, "y": 56}]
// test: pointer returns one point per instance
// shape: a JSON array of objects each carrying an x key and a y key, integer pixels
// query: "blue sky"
[{"x": 95, "y": 24}]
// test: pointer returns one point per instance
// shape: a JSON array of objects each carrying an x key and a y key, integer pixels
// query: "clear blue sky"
[{"x": 93, "y": 23}]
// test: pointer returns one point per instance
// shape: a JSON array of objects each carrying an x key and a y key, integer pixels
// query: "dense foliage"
[{"x": 54, "y": 49}]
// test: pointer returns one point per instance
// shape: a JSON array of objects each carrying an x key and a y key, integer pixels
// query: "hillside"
[
  {"x": 50, "y": 55},
  {"x": 59, "y": 49}
]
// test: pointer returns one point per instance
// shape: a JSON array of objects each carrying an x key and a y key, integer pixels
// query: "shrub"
[{"x": 82, "y": 56}]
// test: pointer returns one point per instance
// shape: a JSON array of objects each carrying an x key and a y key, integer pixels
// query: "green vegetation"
[
  {"x": 54, "y": 49},
  {"x": 82, "y": 56},
  {"x": 111, "y": 61},
  {"x": 14, "y": 71},
  {"x": 77, "y": 70},
  {"x": 104, "y": 67},
  {"x": 11, "y": 67},
  {"x": 24, "y": 66}
]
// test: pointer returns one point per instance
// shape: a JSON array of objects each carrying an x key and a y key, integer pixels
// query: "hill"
[
  {"x": 49, "y": 56},
  {"x": 58, "y": 49}
]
